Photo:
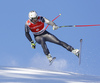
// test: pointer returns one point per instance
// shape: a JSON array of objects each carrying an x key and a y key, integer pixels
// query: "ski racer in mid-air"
[{"x": 35, "y": 24}]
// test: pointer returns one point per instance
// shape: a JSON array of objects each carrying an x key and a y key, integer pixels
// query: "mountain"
[{"x": 31, "y": 75}]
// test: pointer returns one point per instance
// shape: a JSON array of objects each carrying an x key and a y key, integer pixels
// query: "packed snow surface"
[{"x": 31, "y": 75}]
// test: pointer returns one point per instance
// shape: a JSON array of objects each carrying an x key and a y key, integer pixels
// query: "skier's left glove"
[
  {"x": 55, "y": 27},
  {"x": 33, "y": 45}
]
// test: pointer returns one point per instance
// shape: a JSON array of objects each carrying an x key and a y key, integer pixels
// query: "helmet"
[{"x": 32, "y": 14}]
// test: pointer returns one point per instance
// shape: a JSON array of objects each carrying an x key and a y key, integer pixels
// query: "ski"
[
  {"x": 52, "y": 61},
  {"x": 80, "y": 51}
]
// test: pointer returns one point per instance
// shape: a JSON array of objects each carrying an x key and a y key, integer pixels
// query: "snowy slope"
[{"x": 30, "y": 75}]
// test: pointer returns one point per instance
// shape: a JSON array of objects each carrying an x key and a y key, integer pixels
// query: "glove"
[
  {"x": 33, "y": 45},
  {"x": 55, "y": 27}
]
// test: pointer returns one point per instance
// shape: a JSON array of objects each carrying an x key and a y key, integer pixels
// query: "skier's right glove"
[
  {"x": 33, "y": 45},
  {"x": 55, "y": 27}
]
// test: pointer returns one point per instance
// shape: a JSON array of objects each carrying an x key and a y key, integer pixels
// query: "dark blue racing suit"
[{"x": 45, "y": 36}]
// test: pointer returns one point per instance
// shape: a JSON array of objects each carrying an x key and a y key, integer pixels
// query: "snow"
[{"x": 31, "y": 75}]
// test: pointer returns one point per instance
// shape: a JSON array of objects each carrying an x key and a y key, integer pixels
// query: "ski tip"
[{"x": 81, "y": 40}]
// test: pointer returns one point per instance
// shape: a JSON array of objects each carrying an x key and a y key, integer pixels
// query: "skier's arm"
[
  {"x": 49, "y": 22},
  {"x": 27, "y": 33},
  {"x": 28, "y": 36}
]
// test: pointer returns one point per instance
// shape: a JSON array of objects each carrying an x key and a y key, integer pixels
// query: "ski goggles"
[{"x": 34, "y": 18}]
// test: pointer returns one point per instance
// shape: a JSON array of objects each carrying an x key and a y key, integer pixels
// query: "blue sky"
[{"x": 15, "y": 49}]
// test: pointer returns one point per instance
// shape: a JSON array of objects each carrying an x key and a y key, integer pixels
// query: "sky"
[{"x": 16, "y": 51}]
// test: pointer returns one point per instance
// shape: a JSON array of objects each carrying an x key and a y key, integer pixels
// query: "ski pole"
[
  {"x": 79, "y": 25},
  {"x": 53, "y": 20}
]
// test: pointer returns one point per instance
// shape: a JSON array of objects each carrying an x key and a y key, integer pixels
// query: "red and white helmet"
[{"x": 32, "y": 14}]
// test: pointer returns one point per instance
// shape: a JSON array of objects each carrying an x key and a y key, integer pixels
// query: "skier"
[{"x": 35, "y": 23}]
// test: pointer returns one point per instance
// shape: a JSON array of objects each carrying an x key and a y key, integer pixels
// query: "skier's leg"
[
  {"x": 41, "y": 40},
  {"x": 53, "y": 39}
]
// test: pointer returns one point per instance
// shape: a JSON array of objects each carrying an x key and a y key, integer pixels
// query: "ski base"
[{"x": 80, "y": 51}]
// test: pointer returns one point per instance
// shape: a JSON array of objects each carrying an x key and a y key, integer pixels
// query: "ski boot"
[
  {"x": 50, "y": 58},
  {"x": 76, "y": 52}
]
